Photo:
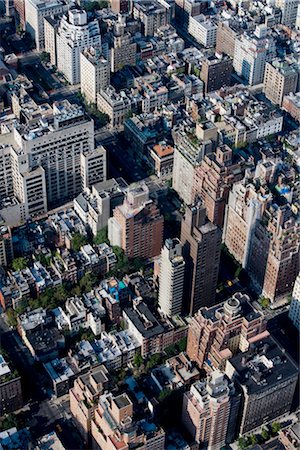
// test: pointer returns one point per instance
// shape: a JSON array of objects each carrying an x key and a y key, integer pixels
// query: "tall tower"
[
  {"x": 201, "y": 242},
  {"x": 210, "y": 411},
  {"x": 172, "y": 268}
]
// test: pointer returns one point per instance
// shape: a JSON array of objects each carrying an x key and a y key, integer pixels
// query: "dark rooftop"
[{"x": 265, "y": 364}]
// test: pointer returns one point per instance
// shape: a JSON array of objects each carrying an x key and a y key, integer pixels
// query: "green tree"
[
  {"x": 19, "y": 263},
  {"x": 101, "y": 236},
  {"x": 78, "y": 240},
  {"x": 8, "y": 421},
  {"x": 138, "y": 360},
  {"x": 265, "y": 434},
  {"x": 264, "y": 302},
  {"x": 153, "y": 361},
  {"x": 275, "y": 427},
  {"x": 253, "y": 439},
  {"x": 164, "y": 394},
  {"x": 12, "y": 315},
  {"x": 45, "y": 57},
  {"x": 87, "y": 282},
  {"x": 181, "y": 345},
  {"x": 243, "y": 443}
]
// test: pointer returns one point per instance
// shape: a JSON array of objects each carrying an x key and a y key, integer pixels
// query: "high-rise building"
[
  {"x": 137, "y": 225},
  {"x": 114, "y": 426},
  {"x": 95, "y": 73},
  {"x": 246, "y": 205},
  {"x": 9, "y": 8},
  {"x": 10, "y": 389},
  {"x": 190, "y": 149},
  {"x": 216, "y": 72},
  {"x": 84, "y": 395},
  {"x": 152, "y": 15},
  {"x": 267, "y": 377},
  {"x": 123, "y": 51},
  {"x": 50, "y": 159},
  {"x": 6, "y": 247},
  {"x": 288, "y": 11},
  {"x": 274, "y": 253},
  {"x": 36, "y": 11},
  {"x": 210, "y": 411},
  {"x": 74, "y": 34},
  {"x": 280, "y": 79},
  {"x": 20, "y": 12},
  {"x": 218, "y": 332},
  {"x": 201, "y": 242},
  {"x": 120, "y": 6},
  {"x": 172, "y": 268},
  {"x": 294, "y": 311},
  {"x": 203, "y": 30},
  {"x": 250, "y": 55},
  {"x": 227, "y": 34},
  {"x": 213, "y": 179}
]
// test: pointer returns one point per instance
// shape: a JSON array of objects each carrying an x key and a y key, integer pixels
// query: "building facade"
[
  {"x": 201, "y": 242},
  {"x": 172, "y": 268}
]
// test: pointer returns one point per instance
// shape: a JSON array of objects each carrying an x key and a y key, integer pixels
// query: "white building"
[
  {"x": 52, "y": 159},
  {"x": 294, "y": 312},
  {"x": 74, "y": 34},
  {"x": 36, "y": 11},
  {"x": 93, "y": 167},
  {"x": 250, "y": 56},
  {"x": 115, "y": 105},
  {"x": 203, "y": 30},
  {"x": 94, "y": 73},
  {"x": 289, "y": 10},
  {"x": 171, "y": 278}
]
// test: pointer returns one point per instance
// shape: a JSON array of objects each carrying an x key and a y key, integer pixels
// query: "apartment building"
[
  {"x": 246, "y": 205},
  {"x": 267, "y": 377},
  {"x": 280, "y": 79},
  {"x": 95, "y": 73},
  {"x": 227, "y": 34},
  {"x": 74, "y": 34},
  {"x": 93, "y": 167},
  {"x": 36, "y": 11},
  {"x": 210, "y": 411},
  {"x": 213, "y": 179},
  {"x": 291, "y": 104},
  {"x": 84, "y": 396},
  {"x": 273, "y": 263},
  {"x": 288, "y": 11},
  {"x": 203, "y": 30},
  {"x": 218, "y": 332},
  {"x": 114, "y": 426},
  {"x": 216, "y": 72},
  {"x": 137, "y": 225},
  {"x": 6, "y": 247},
  {"x": 52, "y": 159},
  {"x": 153, "y": 335},
  {"x": 201, "y": 242},
  {"x": 250, "y": 56},
  {"x": 10, "y": 389},
  {"x": 124, "y": 49},
  {"x": 152, "y": 15},
  {"x": 116, "y": 105},
  {"x": 171, "y": 276}
]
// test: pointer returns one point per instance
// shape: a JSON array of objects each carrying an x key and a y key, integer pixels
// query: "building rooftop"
[
  {"x": 263, "y": 366},
  {"x": 144, "y": 320}
]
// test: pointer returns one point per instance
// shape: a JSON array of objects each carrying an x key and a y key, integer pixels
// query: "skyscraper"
[
  {"x": 201, "y": 242},
  {"x": 210, "y": 410},
  {"x": 73, "y": 35},
  {"x": 94, "y": 73},
  {"x": 250, "y": 56},
  {"x": 172, "y": 267},
  {"x": 288, "y": 11},
  {"x": 280, "y": 79},
  {"x": 218, "y": 332},
  {"x": 213, "y": 179}
]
